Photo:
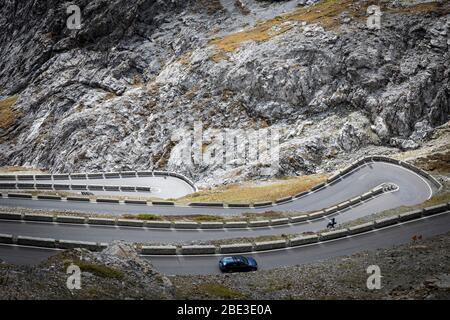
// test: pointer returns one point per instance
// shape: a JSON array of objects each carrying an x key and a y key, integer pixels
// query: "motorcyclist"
[{"x": 332, "y": 223}]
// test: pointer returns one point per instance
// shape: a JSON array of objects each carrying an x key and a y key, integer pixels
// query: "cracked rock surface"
[
  {"x": 116, "y": 273},
  {"x": 112, "y": 95}
]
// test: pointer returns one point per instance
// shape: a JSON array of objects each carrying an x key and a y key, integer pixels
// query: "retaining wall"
[
  {"x": 36, "y": 242},
  {"x": 361, "y": 228},
  {"x": 304, "y": 240},
  {"x": 6, "y": 238},
  {"x": 270, "y": 245},
  {"x": 36, "y": 217},
  {"x": 188, "y": 250},
  {"x": 193, "y": 250},
  {"x": 159, "y": 250},
  {"x": 335, "y": 234},
  {"x": 236, "y": 248}
]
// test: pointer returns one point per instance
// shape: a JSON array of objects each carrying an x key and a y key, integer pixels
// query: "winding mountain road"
[
  {"x": 412, "y": 189},
  {"x": 172, "y": 265},
  {"x": 97, "y": 233},
  {"x": 161, "y": 186}
]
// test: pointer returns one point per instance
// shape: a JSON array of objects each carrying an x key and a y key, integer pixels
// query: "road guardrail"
[
  {"x": 218, "y": 225},
  {"x": 238, "y": 247},
  {"x": 335, "y": 177}
]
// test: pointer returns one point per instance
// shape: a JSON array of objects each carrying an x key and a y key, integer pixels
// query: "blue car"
[{"x": 237, "y": 264}]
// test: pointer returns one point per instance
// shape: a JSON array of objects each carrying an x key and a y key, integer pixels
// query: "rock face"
[
  {"x": 116, "y": 94},
  {"x": 116, "y": 273}
]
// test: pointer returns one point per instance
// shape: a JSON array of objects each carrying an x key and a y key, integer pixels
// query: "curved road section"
[
  {"x": 378, "y": 239},
  {"x": 208, "y": 264},
  {"x": 412, "y": 188},
  {"x": 145, "y": 184}
]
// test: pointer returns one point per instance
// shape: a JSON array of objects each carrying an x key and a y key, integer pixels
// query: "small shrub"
[
  {"x": 206, "y": 218},
  {"x": 98, "y": 270},
  {"x": 143, "y": 216},
  {"x": 218, "y": 290}
]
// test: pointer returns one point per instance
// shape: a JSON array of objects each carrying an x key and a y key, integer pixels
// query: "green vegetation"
[
  {"x": 216, "y": 290},
  {"x": 251, "y": 239},
  {"x": 273, "y": 285},
  {"x": 206, "y": 218},
  {"x": 249, "y": 216},
  {"x": 143, "y": 216},
  {"x": 97, "y": 269}
]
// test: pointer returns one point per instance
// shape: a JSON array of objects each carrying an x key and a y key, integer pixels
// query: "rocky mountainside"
[
  {"x": 415, "y": 270},
  {"x": 117, "y": 93},
  {"x": 116, "y": 273}
]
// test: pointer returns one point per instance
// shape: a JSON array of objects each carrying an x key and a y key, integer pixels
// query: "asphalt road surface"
[
  {"x": 381, "y": 238},
  {"x": 161, "y": 187},
  {"x": 413, "y": 189},
  {"x": 97, "y": 233}
]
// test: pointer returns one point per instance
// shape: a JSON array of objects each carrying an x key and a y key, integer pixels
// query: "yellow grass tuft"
[
  {"x": 7, "y": 116},
  {"x": 7, "y": 169},
  {"x": 326, "y": 13},
  {"x": 237, "y": 193}
]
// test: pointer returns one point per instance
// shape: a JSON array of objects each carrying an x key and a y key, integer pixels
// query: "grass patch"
[
  {"x": 206, "y": 218},
  {"x": 216, "y": 290},
  {"x": 326, "y": 13},
  {"x": 238, "y": 193},
  {"x": 442, "y": 197},
  {"x": 18, "y": 169},
  {"x": 143, "y": 216},
  {"x": 251, "y": 239},
  {"x": 323, "y": 12},
  {"x": 249, "y": 216},
  {"x": 97, "y": 270},
  {"x": 7, "y": 116},
  {"x": 274, "y": 285}
]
